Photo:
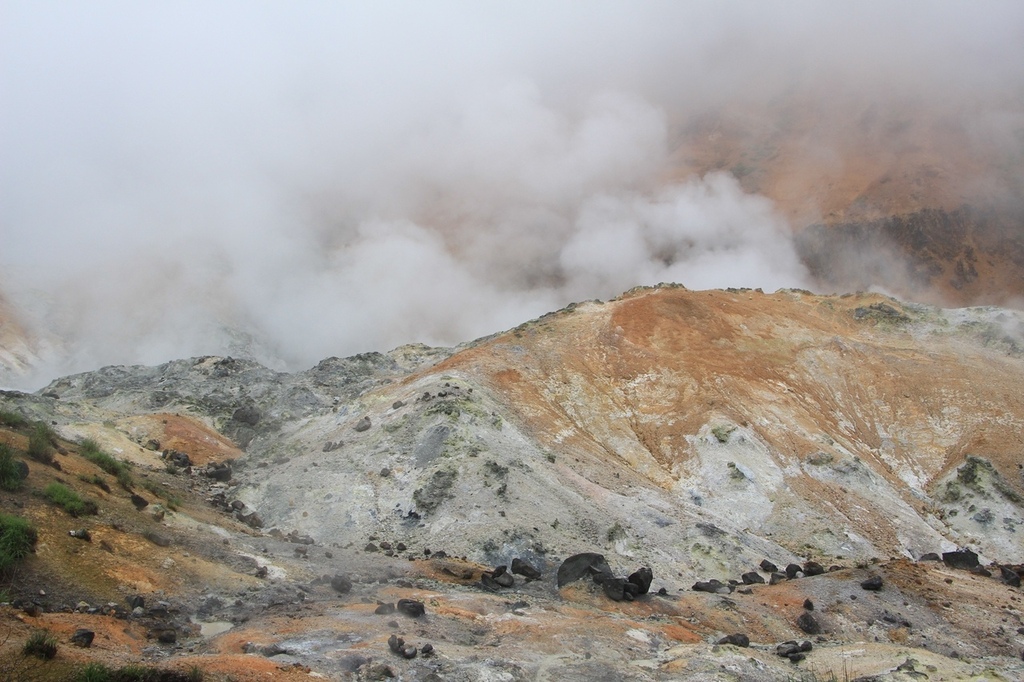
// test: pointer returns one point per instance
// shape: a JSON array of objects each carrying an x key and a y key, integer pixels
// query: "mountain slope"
[{"x": 698, "y": 433}]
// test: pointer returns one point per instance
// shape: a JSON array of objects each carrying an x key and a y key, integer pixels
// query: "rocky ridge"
[{"x": 731, "y": 439}]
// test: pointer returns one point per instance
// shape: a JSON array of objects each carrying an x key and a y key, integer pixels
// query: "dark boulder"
[
  {"x": 140, "y": 502},
  {"x": 582, "y": 565},
  {"x": 808, "y": 604},
  {"x": 411, "y": 607},
  {"x": 792, "y": 570},
  {"x": 963, "y": 559},
  {"x": 712, "y": 586},
  {"x": 83, "y": 638},
  {"x": 396, "y": 644},
  {"x": 1010, "y": 576},
  {"x": 930, "y": 556},
  {"x": 808, "y": 623},
  {"x": 776, "y": 577},
  {"x": 752, "y": 578},
  {"x": 642, "y": 578},
  {"x": 768, "y": 567},
  {"x": 737, "y": 639},
  {"x": 218, "y": 472},
  {"x": 341, "y": 583},
  {"x": 813, "y": 568},
  {"x": 615, "y": 588},
  {"x": 520, "y": 567},
  {"x": 502, "y": 578},
  {"x": 872, "y": 584},
  {"x": 363, "y": 424}
]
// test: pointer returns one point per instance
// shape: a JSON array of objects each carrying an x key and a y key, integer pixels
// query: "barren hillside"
[{"x": 706, "y": 435}]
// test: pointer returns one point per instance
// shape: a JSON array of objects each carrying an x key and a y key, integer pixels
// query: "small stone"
[
  {"x": 409, "y": 651},
  {"x": 808, "y": 604},
  {"x": 384, "y": 609},
  {"x": 520, "y": 567},
  {"x": 427, "y": 649},
  {"x": 83, "y": 638},
  {"x": 872, "y": 584},
  {"x": 363, "y": 424}
]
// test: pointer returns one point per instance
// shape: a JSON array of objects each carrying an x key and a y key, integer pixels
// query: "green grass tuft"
[
  {"x": 117, "y": 468},
  {"x": 10, "y": 469},
  {"x": 12, "y": 419},
  {"x": 40, "y": 443},
  {"x": 68, "y": 500},
  {"x": 40, "y": 644},
  {"x": 17, "y": 539}
]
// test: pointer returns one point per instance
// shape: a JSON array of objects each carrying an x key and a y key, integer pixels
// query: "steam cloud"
[{"x": 299, "y": 181}]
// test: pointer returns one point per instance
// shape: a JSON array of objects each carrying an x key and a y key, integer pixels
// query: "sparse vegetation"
[
  {"x": 616, "y": 532},
  {"x": 95, "y": 480},
  {"x": 117, "y": 468},
  {"x": 40, "y": 644},
  {"x": 17, "y": 539},
  {"x": 40, "y": 443},
  {"x": 722, "y": 432},
  {"x": 97, "y": 672},
  {"x": 68, "y": 500},
  {"x": 10, "y": 471},
  {"x": 12, "y": 419}
]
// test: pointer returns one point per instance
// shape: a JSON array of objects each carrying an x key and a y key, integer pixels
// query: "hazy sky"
[{"x": 329, "y": 178}]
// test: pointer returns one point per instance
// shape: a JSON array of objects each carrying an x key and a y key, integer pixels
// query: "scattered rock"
[
  {"x": 341, "y": 583},
  {"x": 642, "y": 578},
  {"x": 752, "y": 578},
  {"x": 713, "y": 586},
  {"x": 363, "y": 424},
  {"x": 768, "y": 567},
  {"x": 81, "y": 534},
  {"x": 930, "y": 556},
  {"x": 808, "y": 604},
  {"x": 776, "y": 577},
  {"x": 580, "y": 566},
  {"x": 83, "y": 638},
  {"x": 384, "y": 609},
  {"x": 139, "y": 501},
  {"x": 520, "y": 567},
  {"x": 1009, "y": 576},
  {"x": 872, "y": 584},
  {"x": 963, "y": 559},
  {"x": 411, "y": 607},
  {"x": 812, "y": 568},
  {"x": 808, "y": 624},
  {"x": 792, "y": 570},
  {"x": 737, "y": 639}
]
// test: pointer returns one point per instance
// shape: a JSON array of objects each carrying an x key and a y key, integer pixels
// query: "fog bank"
[{"x": 302, "y": 180}]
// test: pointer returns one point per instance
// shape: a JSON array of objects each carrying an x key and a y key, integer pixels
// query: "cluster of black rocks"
[
  {"x": 594, "y": 566},
  {"x": 775, "y": 576},
  {"x": 500, "y": 576},
  {"x": 398, "y": 646}
]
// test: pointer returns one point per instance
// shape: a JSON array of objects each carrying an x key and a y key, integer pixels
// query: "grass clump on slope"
[
  {"x": 17, "y": 539},
  {"x": 120, "y": 470},
  {"x": 68, "y": 500}
]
